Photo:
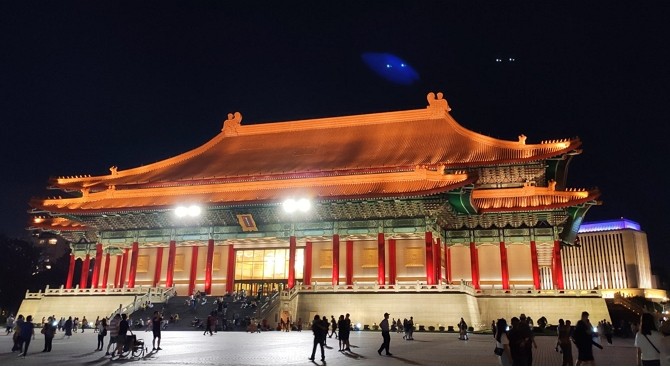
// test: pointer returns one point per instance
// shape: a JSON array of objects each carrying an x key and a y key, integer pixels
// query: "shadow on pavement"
[{"x": 406, "y": 361}]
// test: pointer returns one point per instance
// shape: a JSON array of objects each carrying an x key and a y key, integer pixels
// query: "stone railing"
[
  {"x": 156, "y": 294},
  {"x": 405, "y": 287}
]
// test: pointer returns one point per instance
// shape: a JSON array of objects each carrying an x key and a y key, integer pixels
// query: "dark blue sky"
[{"x": 85, "y": 85}]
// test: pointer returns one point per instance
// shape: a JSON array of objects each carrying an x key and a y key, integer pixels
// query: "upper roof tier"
[{"x": 348, "y": 145}]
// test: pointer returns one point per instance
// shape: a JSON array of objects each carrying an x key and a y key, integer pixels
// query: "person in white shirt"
[
  {"x": 502, "y": 342},
  {"x": 648, "y": 342}
]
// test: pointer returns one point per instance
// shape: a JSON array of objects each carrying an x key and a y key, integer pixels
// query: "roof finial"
[
  {"x": 231, "y": 125},
  {"x": 522, "y": 139},
  {"x": 438, "y": 104},
  {"x": 113, "y": 170}
]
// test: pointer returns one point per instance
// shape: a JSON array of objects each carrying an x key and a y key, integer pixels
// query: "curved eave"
[
  {"x": 390, "y": 141},
  {"x": 421, "y": 182},
  {"x": 530, "y": 199},
  {"x": 56, "y": 224}
]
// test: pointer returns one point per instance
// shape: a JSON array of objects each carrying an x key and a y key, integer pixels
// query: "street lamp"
[
  {"x": 187, "y": 211},
  {"x": 301, "y": 205}
]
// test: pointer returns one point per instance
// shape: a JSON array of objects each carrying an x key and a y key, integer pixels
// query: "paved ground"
[{"x": 292, "y": 349}]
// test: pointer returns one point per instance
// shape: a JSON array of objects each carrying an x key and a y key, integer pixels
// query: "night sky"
[{"x": 85, "y": 85}]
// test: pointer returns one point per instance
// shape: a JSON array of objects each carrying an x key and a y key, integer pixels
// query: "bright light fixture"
[
  {"x": 292, "y": 205},
  {"x": 191, "y": 211}
]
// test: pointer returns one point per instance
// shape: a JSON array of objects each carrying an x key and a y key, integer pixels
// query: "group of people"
[
  {"x": 340, "y": 328},
  {"x": 514, "y": 344}
]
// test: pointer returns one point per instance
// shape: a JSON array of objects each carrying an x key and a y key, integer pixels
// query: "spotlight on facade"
[
  {"x": 301, "y": 205},
  {"x": 190, "y": 211}
]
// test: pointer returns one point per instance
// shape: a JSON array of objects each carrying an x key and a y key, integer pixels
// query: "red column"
[
  {"x": 230, "y": 270},
  {"x": 350, "y": 262},
  {"x": 84, "y": 272},
  {"x": 447, "y": 262},
  {"x": 133, "y": 265},
  {"x": 124, "y": 266},
  {"x": 558, "y": 266},
  {"x": 392, "y": 262},
  {"x": 208, "y": 266},
  {"x": 105, "y": 273},
  {"x": 430, "y": 265},
  {"x": 159, "y": 265},
  {"x": 70, "y": 273},
  {"x": 291, "y": 262},
  {"x": 172, "y": 252},
  {"x": 381, "y": 259},
  {"x": 307, "y": 272},
  {"x": 474, "y": 265},
  {"x": 336, "y": 259},
  {"x": 117, "y": 276},
  {"x": 96, "y": 265},
  {"x": 535, "y": 266},
  {"x": 194, "y": 270},
  {"x": 436, "y": 262},
  {"x": 503, "y": 266}
]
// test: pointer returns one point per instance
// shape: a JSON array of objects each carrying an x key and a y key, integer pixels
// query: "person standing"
[
  {"x": 462, "y": 330},
  {"x": 16, "y": 338},
  {"x": 648, "y": 341},
  {"x": 319, "y": 337},
  {"x": 84, "y": 324},
  {"x": 102, "y": 332},
  {"x": 68, "y": 327},
  {"x": 113, "y": 332},
  {"x": 346, "y": 330},
  {"x": 565, "y": 343},
  {"x": 156, "y": 322},
  {"x": 27, "y": 334},
  {"x": 410, "y": 328},
  {"x": 340, "y": 325},
  {"x": 386, "y": 335},
  {"x": 124, "y": 327},
  {"x": 583, "y": 338},
  {"x": 49, "y": 330},
  {"x": 502, "y": 343}
]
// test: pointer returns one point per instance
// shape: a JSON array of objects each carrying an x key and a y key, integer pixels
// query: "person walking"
[
  {"x": 648, "y": 342},
  {"x": 49, "y": 330},
  {"x": 386, "y": 335},
  {"x": 209, "y": 323},
  {"x": 113, "y": 333},
  {"x": 10, "y": 323},
  {"x": 102, "y": 333},
  {"x": 27, "y": 334},
  {"x": 333, "y": 327},
  {"x": 319, "y": 337},
  {"x": 156, "y": 322},
  {"x": 462, "y": 330}
]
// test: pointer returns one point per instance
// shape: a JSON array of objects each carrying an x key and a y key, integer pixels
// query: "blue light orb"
[{"x": 390, "y": 67}]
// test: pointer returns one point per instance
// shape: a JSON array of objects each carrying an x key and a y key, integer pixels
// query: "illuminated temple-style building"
[{"x": 390, "y": 201}]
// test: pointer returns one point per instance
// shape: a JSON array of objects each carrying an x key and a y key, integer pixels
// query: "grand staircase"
[{"x": 182, "y": 316}]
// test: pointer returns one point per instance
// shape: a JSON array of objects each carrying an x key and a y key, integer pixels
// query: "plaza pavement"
[{"x": 276, "y": 348}]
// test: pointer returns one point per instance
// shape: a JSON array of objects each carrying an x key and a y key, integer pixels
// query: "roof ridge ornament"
[
  {"x": 437, "y": 105},
  {"x": 114, "y": 170},
  {"x": 522, "y": 139},
  {"x": 232, "y": 124}
]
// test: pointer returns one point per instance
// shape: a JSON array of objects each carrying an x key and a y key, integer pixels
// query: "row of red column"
[
  {"x": 122, "y": 264},
  {"x": 433, "y": 262}
]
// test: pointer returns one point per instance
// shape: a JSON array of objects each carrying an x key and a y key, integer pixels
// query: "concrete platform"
[{"x": 292, "y": 349}]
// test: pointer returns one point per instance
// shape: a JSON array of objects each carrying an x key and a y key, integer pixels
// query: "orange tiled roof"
[
  {"x": 418, "y": 182},
  {"x": 529, "y": 198},
  {"x": 56, "y": 223},
  {"x": 348, "y": 145}
]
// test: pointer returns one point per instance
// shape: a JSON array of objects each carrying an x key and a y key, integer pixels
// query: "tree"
[{"x": 20, "y": 262}]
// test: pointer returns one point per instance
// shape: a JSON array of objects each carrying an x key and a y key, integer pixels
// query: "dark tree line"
[{"x": 22, "y": 268}]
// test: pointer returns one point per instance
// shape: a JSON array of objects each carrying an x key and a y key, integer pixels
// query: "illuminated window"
[{"x": 266, "y": 264}]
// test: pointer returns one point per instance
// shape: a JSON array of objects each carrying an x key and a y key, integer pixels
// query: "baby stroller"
[{"x": 134, "y": 346}]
